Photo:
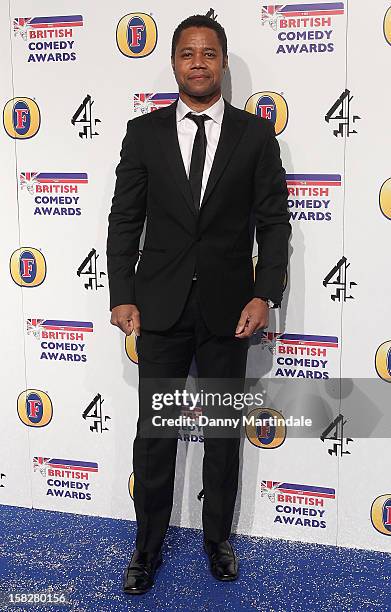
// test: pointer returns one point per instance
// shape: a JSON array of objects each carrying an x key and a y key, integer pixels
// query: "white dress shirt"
[{"x": 187, "y": 130}]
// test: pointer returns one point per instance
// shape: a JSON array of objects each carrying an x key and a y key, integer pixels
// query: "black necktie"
[{"x": 197, "y": 157}]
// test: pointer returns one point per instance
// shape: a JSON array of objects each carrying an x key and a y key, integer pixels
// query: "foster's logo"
[
  {"x": 136, "y": 35},
  {"x": 27, "y": 267},
  {"x": 21, "y": 118},
  {"x": 385, "y": 198},
  {"x": 34, "y": 408},
  {"x": 268, "y": 434},
  {"x": 383, "y": 361},
  {"x": 269, "y": 105},
  {"x": 387, "y": 26},
  {"x": 381, "y": 514}
]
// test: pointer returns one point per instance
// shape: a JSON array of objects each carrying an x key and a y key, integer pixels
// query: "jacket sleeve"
[
  {"x": 272, "y": 226},
  {"x": 126, "y": 221}
]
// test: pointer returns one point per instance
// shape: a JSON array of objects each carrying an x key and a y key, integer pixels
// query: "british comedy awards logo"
[
  {"x": 49, "y": 39},
  {"x": 54, "y": 193},
  {"x": 66, "y": 478},
  {"x": 301, "y": 355},
  {"x": 303, "y": 28},
  {"x": 61, "y": 340},
  {"x": 311, "y": 196},
  {"x": 297, "y": 504}
]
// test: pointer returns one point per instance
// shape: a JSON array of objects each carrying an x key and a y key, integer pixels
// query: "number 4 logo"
[{"x": 338, "y": 278}]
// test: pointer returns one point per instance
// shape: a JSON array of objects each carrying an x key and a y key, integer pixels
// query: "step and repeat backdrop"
[{"x": 73, "y": 75}]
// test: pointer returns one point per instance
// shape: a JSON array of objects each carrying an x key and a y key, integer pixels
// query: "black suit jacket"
[{"x": 246, "y": 179}]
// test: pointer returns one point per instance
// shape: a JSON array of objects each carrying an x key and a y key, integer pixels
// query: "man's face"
[{"x": 198, "y": 62}]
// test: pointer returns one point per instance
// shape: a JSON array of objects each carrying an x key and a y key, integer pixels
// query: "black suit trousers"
[{"x": 168, "y": 354}]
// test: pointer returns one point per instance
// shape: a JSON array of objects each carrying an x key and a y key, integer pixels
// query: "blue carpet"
[{"x": 86, "y": 556}]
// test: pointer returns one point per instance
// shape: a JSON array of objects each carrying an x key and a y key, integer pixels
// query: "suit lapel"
[
  {"x": 232, "y": 128},
  {"x": 168, "y": 137}
]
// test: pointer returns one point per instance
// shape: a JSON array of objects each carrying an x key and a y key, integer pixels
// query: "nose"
[{"x": 198, "y": 60}]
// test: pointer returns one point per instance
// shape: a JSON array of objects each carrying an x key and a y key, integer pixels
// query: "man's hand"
[
  {"x": 254, "y": 316},
  {"x": 127, "y": 318}
]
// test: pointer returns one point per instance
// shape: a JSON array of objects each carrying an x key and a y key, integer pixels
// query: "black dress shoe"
[
  {"x": 139, "y": 575},
  {"x": 222, "y": 560}
]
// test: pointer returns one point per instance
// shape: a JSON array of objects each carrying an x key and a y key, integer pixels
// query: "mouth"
[{"x": 199, "y": 77}]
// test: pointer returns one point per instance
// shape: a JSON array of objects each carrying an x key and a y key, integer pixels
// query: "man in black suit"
[{"x": 197, "y": 171}]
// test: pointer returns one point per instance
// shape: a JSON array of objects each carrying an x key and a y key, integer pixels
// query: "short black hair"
[{"x": 200, "y": 21}]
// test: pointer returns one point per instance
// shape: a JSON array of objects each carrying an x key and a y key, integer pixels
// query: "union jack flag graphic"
[
  {"x": 269, "y": 488},
  {"x": 21, "y": 26},
  {"x": 27, "y": 180},
  {"x": 271, "y": 10},
  {"x": 34, "y": 327},
  {"x": 40, "y": 464},
  {"x": 148, "y": 102},
  {"x": 269, "y": 341},
  {"x": 271, "y": 14}
]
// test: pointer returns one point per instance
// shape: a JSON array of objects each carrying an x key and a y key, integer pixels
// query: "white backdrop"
[{"x": 62, "y": 359}]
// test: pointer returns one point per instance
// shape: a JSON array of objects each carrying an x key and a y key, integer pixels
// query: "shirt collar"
[{"x": 215, "y": 112}]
